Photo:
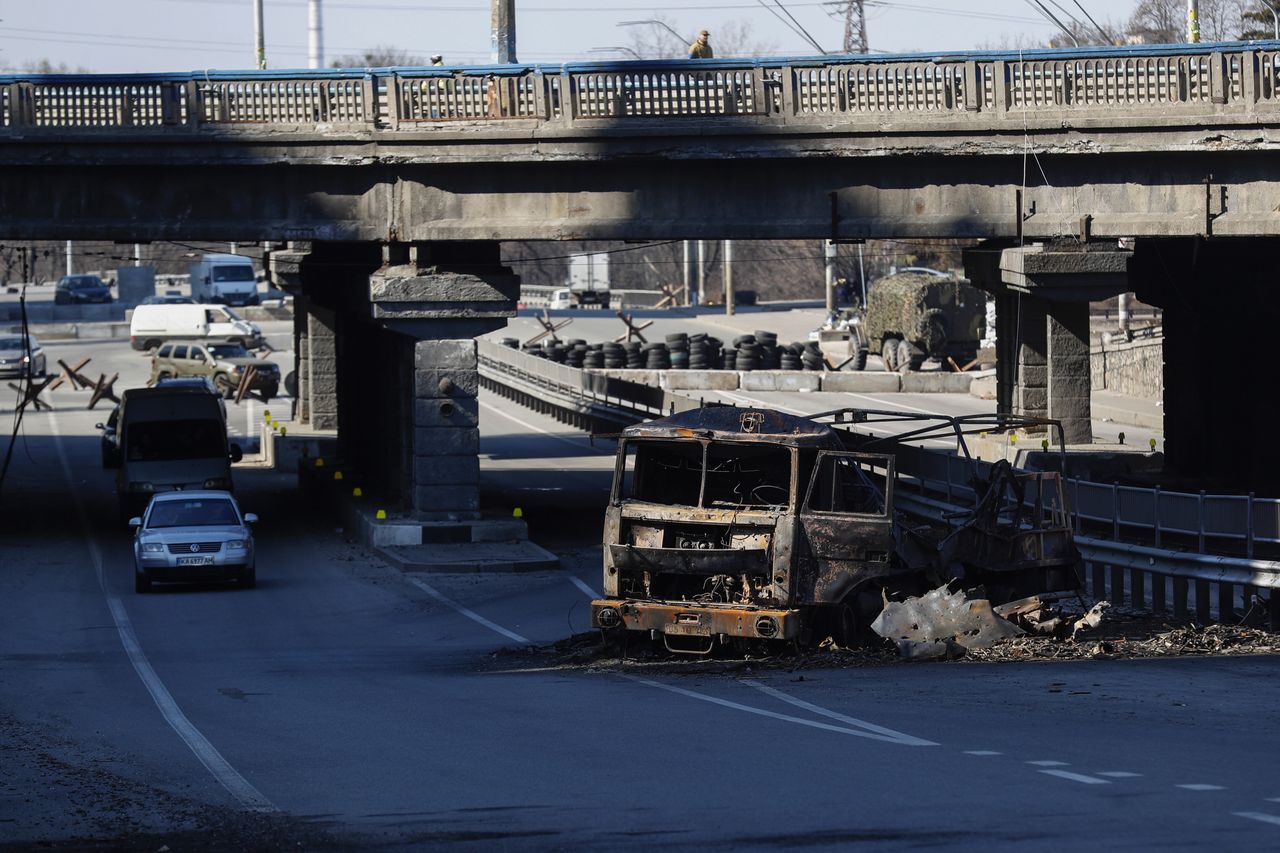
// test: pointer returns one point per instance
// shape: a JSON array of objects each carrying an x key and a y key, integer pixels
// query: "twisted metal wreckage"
[{"x": 728, "y": 525}]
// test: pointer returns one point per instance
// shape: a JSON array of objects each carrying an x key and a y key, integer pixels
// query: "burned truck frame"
[{"x": 754, "y": 524}]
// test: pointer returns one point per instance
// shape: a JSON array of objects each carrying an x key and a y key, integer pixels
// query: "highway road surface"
[{"x": 344, "y": 704}]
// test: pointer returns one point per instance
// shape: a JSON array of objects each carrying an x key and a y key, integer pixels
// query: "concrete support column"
[
  {"x": 446, "y": 434},
  {"x": 301, "y": 360},
  {"x": 1068, "y": 383},
  {"x": 322, "y": 368}
]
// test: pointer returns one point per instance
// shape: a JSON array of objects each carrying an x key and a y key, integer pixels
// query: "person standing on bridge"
[{"x": 701, "y": 49}]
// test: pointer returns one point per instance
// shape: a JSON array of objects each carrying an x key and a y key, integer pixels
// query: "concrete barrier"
[
  {"x": 936, "y": 383},
  {"x": 699, "y": 380},
  {"x": 780, "y": 380},
  {"x": 861, "y": 382}
]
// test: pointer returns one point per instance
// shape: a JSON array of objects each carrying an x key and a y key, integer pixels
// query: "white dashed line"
[
  {"x": 1049, "y": 763},
  {"x": 1201, "y": 787},
  {"x": 1273, "y": 799},
  {"x": 470, "y": 614},
  {"x": 982, "y": 752},
  {"x": 582, "y": 585},
  {"x": 909, "y": 740},
  {"x": 899, "y": 739},
  {"x": 1076, "y": 777},
  {"x": 1118, "y": 774},
  {"x": 1274, "y": 820}
]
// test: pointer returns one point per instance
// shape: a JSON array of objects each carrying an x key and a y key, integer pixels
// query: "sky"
[{"x": 115, "y": 36}]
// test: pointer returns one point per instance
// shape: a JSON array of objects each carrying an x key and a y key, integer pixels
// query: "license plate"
[
  {"x": 688, "y": 630},
  {"x": 206, "y": 560}
]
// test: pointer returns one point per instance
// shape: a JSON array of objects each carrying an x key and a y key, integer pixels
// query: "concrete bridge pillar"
[
  {"x": 320, "y": 369},
  {"x": 1220, "y": 332},
  {"x": 405, "y": 318},
  {"x": 1042, "y": 317}
]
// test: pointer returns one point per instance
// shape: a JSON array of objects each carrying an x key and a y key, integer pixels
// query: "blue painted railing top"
[{"x": 1038, "y": 54}]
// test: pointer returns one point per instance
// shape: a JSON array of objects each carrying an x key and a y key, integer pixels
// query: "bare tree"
[
  {"x": 382, "y": 56},
  {"x": 1165, "y": 21},
  {"x": 1257, "y": 21}
]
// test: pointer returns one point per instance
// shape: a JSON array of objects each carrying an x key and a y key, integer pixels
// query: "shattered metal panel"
[{"x": 935, "y": 624}]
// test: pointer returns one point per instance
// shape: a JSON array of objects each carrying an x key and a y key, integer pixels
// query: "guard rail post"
[
  {"x": 1115, "y": 512},
  {"x": 1158, "y": 593},
  {"x": 1202, "y": 601},
  {"x": 1099, "y": 580},
  {"x": 1226, "y": 602},
  {"x": 195, "y": 113},
  {"x": 1117, "y": 585},
  {"x": 1180, "y": 597},
  {"x": 1137, "y": 587}
]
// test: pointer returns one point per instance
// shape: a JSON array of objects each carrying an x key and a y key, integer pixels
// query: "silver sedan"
[{"x": 193, "y": 536}]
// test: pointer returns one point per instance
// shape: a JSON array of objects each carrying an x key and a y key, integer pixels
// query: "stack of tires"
[
  {"x": 748, "y": 357},
  {"x": 811, "y": 356},
  {"x": 575, "y": 353},
  {"x": 615, "y": 356},
  {"x": 789, "y": 356},
  {"x": 657, "y": 356},
  {"x": 635, "y": 357},
  {"x": 704, "y": 352},
  {"x": 768, "y": 343},
  {"x": 593, "y": 358}
]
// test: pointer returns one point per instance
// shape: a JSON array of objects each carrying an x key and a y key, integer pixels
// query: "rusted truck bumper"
[{"x": 686, "y": 619}]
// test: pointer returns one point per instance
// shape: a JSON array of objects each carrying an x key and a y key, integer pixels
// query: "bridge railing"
[{"x": 1236, "y": 78}]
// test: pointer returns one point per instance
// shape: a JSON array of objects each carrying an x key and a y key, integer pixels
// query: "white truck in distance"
[{"x": 224, "y": 279}]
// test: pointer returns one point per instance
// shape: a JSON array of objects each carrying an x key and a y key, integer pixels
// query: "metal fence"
[{"x": 1218, "y": 81}]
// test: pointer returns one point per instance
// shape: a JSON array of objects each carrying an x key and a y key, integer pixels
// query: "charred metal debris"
[{"x": 728, "y": 525}]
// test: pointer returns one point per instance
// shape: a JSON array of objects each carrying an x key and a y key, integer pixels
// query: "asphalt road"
[{"x": 344, "y": 704}]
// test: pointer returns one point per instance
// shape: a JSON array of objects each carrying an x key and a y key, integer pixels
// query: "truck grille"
[{"x": 195, "y": 548}]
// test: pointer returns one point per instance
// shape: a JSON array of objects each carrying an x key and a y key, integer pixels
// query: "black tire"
[
  {"x": 269, "y": 391},
  {"x": 141, "y": 583},
  {"x": 151, "y": 344},
  {"x": 906, "y": 357},
  {"x": 249, "y": 579},
  {"x": 860, "y": 359},
  {"x": 889, "y": 354},
  {"x": 291, "y": 382}
]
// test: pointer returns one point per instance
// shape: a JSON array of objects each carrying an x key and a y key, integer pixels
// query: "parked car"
[
  {"x": 222, "y": 363},
  {"x": 14, "y": 359},
  {"x": 193, "y": 536},
  {"x": 151, "y": 325},
  {"x": 81, "y": 289},
  {"x": 110, "y": 440}
]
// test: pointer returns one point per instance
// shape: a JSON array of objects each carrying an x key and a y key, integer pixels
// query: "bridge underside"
[{"x": 61, "y": 196}]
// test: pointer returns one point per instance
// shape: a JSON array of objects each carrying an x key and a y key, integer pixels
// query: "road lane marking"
[
  {"x": 235, "y": 784},
  {"x": 982, "y": 752},
  {"x": 1049, "y": 763},
  {"x": 582, "y": 585},
  {"x": 577, "y": 443},
  {"x": 1199, "y": 786},
  {"x": 761, "y": 712},
  {"x": 1273, "y": 799},
  {"x": 908, "y": 740},
  {"x": 1274, "y": 820},
  {"x": 1118, "y": 774},
  {"x": 469, "y": 613},
  {"x": 1076, "y": 777}
]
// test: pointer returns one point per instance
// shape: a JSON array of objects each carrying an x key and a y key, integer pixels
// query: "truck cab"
[{"x": 731, "y": 523}]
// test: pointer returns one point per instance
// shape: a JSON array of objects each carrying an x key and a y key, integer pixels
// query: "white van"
[
  {"x": 152, "y": 324},
  {"x": 228, "y": 279},
  {"x": 561, "y": 299}
]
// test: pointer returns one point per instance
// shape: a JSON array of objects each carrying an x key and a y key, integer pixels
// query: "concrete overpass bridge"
[{"x": 397, "y": 185}]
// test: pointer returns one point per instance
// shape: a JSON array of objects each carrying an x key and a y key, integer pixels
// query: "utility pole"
[
  {"x": 315, "y": 35},
  {"x": 691, "y": 274},
  {"x": 729, "y": 307},
  {"x": 831, "y": 251},
  {"x": 259, "y": 48},
  {"x": 503, "y": 45},
  {"x": 1193, "y": 21},
  {"x": 855, "y": 27},
  {"x": 70, "y": 268}
]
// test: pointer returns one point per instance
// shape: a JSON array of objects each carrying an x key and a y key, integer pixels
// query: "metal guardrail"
[
  {"x": 1160, "y": 82},
  {"x": 1120, "y": 571}
]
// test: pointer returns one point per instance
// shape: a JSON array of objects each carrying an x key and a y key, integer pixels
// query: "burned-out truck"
[
  {"x": 743, "y": 523},
  {"x": 751, "y": 524}
]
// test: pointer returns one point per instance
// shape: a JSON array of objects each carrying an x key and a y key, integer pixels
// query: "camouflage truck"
[{"x": 911, "y": 316}]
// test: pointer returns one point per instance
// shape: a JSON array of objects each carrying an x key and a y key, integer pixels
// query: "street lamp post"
[{"x": 259, "y": 48}]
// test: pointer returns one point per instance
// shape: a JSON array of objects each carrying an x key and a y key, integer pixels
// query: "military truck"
[
  {"x": 734, "y": 525},
  {"x": 918, "y": 314}
]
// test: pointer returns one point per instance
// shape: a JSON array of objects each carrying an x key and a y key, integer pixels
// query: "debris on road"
[{"x": 941, "y": 623}]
